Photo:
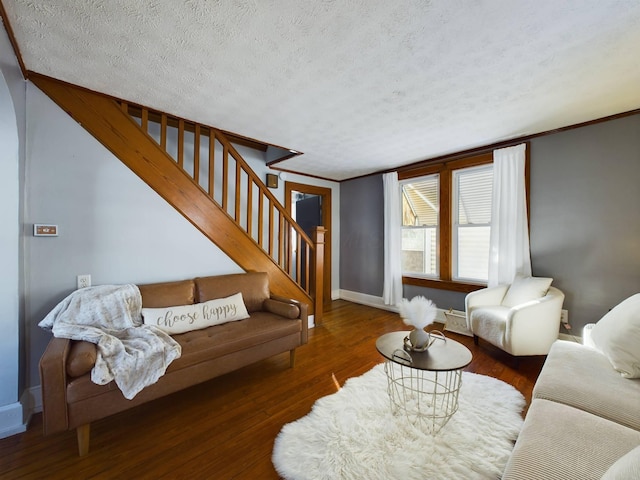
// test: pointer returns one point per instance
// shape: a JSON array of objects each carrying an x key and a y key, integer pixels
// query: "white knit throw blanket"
[{"x": 132, "y": 354}]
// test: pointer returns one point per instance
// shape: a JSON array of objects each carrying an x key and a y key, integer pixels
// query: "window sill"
[{"x": 442, "y": 284}]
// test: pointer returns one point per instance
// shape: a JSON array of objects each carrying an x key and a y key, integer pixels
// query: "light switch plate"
[{"x": 42, "y": 230}]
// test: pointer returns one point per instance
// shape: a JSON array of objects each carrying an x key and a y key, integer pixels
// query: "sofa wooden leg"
[
  {"x": 292, "y": 358},
  {"x": 82, "y": 432},
  {"x": 475, "y": 339}
]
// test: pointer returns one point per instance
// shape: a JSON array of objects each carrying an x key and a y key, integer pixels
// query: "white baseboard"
[
  {"x": 15, "y": 417},
  {"x": 335, "y": 294},
  {"x": 378, "y": 302},
  {"x": 12, "y": 420},
  {"x": 365, "y": 299}
]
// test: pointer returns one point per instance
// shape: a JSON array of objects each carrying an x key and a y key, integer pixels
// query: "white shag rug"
[{"x": 353, "y": 434}]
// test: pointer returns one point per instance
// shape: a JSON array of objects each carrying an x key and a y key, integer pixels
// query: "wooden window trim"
[
  {"x": 445, "y": 169},
  {"x": 440, "y": 284}
]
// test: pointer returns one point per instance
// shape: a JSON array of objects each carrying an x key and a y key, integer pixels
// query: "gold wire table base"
[{"x": 428, "y": 399}]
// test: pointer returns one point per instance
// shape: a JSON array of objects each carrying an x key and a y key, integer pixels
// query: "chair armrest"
[
  {"x": 532, "y": 327},
  {"x": 282, "y": 309},
  {"x": 53, "y": 380},
  {"x": 483, "y": 297},
  {"x": 304, "y": 314}
]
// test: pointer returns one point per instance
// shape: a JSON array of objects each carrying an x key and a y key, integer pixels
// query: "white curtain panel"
[
  {"x": 509, "y": 253},
  {"x": 392, "y": 286}
]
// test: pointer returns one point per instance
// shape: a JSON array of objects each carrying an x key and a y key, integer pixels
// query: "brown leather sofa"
[{"x": 276, "y": 325}]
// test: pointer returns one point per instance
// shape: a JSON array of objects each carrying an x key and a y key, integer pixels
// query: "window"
[
  {"x": 420, "y": 208},
  {"x": 446, "y": 223},
  {"x": 472, "y": 188}
]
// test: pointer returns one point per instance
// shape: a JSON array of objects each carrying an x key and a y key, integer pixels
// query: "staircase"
[{"x": 199, "y": 172}]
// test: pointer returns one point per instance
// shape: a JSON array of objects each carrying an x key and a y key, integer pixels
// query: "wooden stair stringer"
[{"x": 117, "y": 131}]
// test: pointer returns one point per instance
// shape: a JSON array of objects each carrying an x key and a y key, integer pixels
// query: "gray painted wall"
[
  {"x": 362, "y": 235},
  {"x": 585, "y": 221},
  {"x": 585, "y": 215},
  {"x": 362, "y": 244}
]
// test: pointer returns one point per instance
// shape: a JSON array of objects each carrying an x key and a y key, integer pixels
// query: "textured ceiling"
[{"x": 357, "y": 85}]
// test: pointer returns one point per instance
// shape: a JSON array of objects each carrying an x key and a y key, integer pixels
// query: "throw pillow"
[
  {"x": 626, "y": 467},
  {"x": 525, "y": 289},
  {"x": 185, "y": 318},
  {"x": 617, "y": 335}
]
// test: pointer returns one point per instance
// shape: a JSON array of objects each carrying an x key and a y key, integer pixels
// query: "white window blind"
[{"x": 472, "y": 189}]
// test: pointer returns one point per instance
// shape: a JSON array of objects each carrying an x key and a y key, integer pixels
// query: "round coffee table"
[{"x": 424, "y": 386}]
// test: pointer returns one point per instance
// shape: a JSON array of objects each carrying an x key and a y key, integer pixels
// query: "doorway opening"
[{"x": 310, "y": 207}]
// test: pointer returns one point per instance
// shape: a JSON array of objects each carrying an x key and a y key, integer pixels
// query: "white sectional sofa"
[{"x": 584, "y": 420}]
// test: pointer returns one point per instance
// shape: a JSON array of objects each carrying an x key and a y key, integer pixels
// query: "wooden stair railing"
[{"x": 200, "y": 173}]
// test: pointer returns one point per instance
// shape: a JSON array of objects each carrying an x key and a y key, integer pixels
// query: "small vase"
[{"x": 419, "y": 338}]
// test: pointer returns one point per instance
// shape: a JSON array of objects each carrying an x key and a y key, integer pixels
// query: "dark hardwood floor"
[{"x": 225, "y": 428}]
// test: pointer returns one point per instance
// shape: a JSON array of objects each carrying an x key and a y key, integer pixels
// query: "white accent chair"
[{"x": 522, "y": 318}]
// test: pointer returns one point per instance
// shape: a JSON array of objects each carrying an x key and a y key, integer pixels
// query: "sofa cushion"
[
  {"x": 580, "y": 376},
  {"x": 617, "y": 335},
  {"x": 254, "y": 287},
  {"x": 626, "y": 467},
  {"x": 185, "y": 318},
  {"x": 81, "y": 358},
  {"x": 565, "y": 443},
  {"x": 204, "y": 345},
  {"x": 216, "y": 341},
  {"x": 166, "y": 294},
  {"x": 526, "y": 289}
]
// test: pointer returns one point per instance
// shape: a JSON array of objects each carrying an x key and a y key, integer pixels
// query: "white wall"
[
  {"x": 11, "y": 412},
  {"x": 111, "y": 224}
]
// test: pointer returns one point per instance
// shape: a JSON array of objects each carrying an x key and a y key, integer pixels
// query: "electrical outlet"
[
  {"x": 83, "y": 281},
  {"x": 564, "y": 319}
]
